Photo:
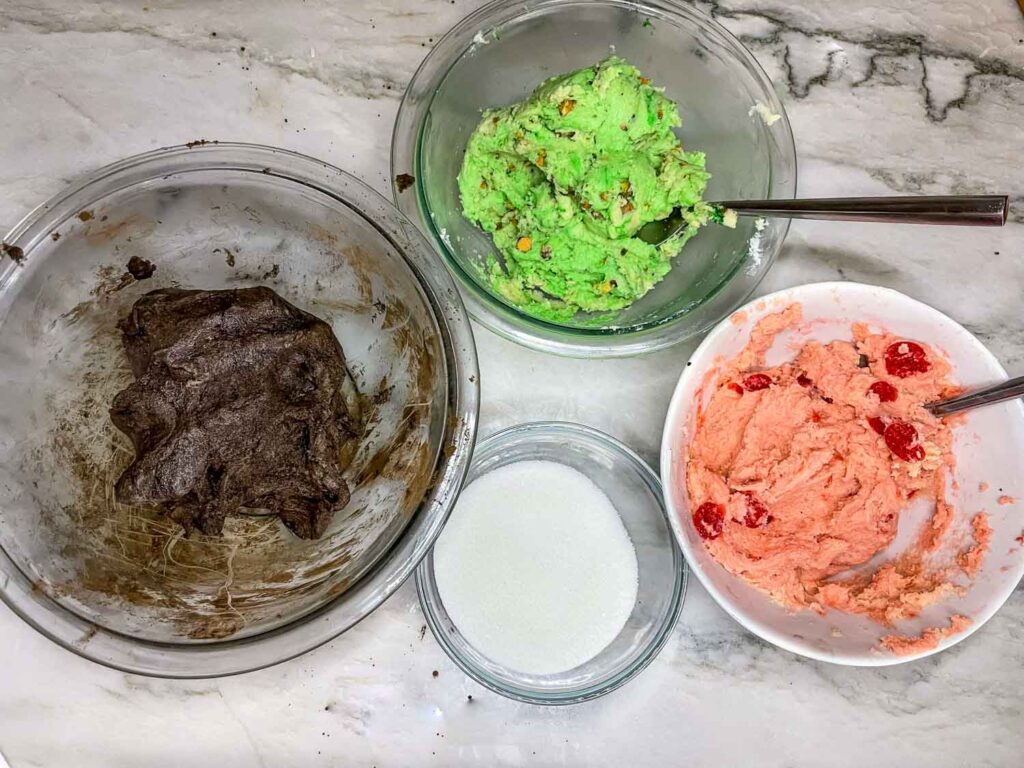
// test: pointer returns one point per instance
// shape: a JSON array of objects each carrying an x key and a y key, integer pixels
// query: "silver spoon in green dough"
[{"x": 961, "y": 210}]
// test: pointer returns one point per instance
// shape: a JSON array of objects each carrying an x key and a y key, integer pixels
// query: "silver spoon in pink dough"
[
  {"x": 962, "y": 210},
  {"x": 996, "y": 393}
]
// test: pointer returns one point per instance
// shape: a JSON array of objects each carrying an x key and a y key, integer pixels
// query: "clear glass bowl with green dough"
[{"x": 729, "y": 112}]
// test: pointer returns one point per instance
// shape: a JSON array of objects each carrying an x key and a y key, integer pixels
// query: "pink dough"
[
  {"x": 927, "y": 640},
  {"x": 798, "y": 486}
]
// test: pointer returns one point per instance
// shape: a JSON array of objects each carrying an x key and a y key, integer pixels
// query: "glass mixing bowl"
[
  {"x": 497, "y": 55},
  {"x": 636, "y": 493},
  {"x": 123, "y": 585}
]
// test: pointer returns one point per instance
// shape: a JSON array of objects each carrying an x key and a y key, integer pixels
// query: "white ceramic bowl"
[{"x": 987, "y": 448}]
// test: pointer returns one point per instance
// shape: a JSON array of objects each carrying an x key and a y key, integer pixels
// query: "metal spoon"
[
  {"x": 964, "y": 210},
  {"x": 996, "y": 393}
]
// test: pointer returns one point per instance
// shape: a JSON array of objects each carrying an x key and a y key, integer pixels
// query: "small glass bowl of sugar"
[{"x": 557, "y": 578}]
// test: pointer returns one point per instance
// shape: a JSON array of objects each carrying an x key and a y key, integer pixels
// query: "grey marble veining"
[{"x": 917, "y": 96}]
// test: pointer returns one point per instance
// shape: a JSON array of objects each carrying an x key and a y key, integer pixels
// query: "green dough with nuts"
[{"x": 563, "y": 182}]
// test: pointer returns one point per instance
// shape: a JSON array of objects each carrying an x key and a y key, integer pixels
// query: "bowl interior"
[
  {"x": 636, "y": 495},
  {"x": 129, "y": 570},
  {"x": 988, "y": 444},
  {"x": 701, "y": 67}
]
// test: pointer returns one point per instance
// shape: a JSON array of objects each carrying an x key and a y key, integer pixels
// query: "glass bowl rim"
[
  {"x": 428, "y": 595},
  {"x": 495, "y": 314},
  {"x": 228, "y": 657}
]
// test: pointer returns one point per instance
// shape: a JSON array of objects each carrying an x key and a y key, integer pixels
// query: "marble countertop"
[{"x": 916, "y": 96}]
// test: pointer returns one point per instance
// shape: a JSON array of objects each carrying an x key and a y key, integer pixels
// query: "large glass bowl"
[
  {"x": 123, "y": 585},
  {"x": 636, "y": 493},
  {"x": 497, "y": 55}
]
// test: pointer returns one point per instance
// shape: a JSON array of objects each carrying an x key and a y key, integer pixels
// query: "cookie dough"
[
  {"x": 563, "y": 182},
  {"x": 238, "y": 401},
  {"x": 799, "y": 472}
]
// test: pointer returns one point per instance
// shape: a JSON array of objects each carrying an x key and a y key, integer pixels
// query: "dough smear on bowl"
[{"x": 799, "y": 473}]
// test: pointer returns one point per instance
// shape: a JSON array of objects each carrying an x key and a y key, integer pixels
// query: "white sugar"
[{"x": 535, "y": 567}]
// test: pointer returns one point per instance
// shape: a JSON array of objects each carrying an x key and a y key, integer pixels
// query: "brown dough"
[{"x": 237, "y": 402}]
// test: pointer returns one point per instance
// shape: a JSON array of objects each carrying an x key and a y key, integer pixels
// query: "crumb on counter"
[{"x": 403, "y": 181}]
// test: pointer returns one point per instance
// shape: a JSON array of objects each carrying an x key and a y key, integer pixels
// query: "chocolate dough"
[{"x": 237, "y": 402}]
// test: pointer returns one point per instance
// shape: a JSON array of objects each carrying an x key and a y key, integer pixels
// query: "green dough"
[{"x": 564, "y": 180}]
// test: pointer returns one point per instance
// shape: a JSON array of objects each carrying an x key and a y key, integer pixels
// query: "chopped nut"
[
  {"x": 585, "y": 205},
  {"x": 660, "y": 113},
  {"x": 625, "y": 186},
  {"x": 566, "y": 106},
  {"x": 540, "y": 159},
  {"x": 604, "y": 196},
  {"x": 545, "y": 252},
  {"x": 645, "y": 81},
  {"x": 627, "y": 207},
  {"x": 524, "y": 244},
  {"x": 483, "y": 183},
  {"x": 623, "y": 126}
]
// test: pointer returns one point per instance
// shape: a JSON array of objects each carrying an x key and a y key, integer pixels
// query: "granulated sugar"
[{"x": 535, "y": 567}]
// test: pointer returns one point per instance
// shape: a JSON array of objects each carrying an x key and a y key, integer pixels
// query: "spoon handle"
[
  {"x": 971, "y": 210},
  {"x": 997, "y": 393}
]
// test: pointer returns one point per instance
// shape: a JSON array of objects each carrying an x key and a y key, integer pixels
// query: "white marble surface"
[{"x": 885, "y": 97}]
